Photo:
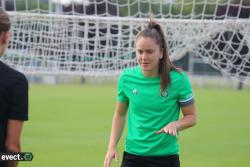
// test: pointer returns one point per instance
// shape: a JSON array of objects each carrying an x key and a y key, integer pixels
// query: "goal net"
[{"x": 97, "y": 37}]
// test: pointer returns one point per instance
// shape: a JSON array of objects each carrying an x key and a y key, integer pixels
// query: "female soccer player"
[{"x": 152, "y": 96}]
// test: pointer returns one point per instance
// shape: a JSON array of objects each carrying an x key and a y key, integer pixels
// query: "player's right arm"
[{"x": 118, "y": 123}]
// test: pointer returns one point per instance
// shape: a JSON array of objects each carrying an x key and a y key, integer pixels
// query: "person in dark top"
[{"x": 13, "y": 99}]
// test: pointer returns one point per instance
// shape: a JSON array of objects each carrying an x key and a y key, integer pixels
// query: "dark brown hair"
[
  {"x": 155, "y": 31},
  {"x": 4, "y": 21}
]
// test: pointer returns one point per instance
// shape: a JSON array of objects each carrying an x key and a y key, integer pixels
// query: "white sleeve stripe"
[{"x": 186, "y": 100}]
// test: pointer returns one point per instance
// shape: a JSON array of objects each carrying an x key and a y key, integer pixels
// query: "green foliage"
[
  {"x": 142, "y": 8},
  {"x": 183, "y": 8},
  {"x": 23, "y": 5}
]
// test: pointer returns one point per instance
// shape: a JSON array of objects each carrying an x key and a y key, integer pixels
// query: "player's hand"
[
  {"x": 112, "y": 153},
  {"x": 171, "y": 128}
]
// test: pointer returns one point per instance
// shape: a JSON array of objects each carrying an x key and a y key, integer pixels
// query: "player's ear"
[{"x": 5, "y": 37}]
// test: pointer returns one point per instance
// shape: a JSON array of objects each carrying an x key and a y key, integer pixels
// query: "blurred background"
[{"x": 72, "y": 52}]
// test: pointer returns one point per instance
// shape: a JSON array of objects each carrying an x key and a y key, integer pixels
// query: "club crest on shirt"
[{"x": 164, "y": 93}]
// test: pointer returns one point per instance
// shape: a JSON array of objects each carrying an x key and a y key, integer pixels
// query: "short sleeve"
[
  {"x": 19, "y": 100},
  {"x": 121, "y": 96},
  {"x": 186, "y": 96}
]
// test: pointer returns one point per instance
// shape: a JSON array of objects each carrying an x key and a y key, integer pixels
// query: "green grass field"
[{"x": 69, "y": 126}]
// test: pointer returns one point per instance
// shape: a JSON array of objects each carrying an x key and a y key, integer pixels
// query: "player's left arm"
[
  {"x": 188, "y": 120},
  {"x": 189, "y": 117},
  {"x": 187, "y": 105}
]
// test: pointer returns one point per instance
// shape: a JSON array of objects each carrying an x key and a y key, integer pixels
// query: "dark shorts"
[{"x": 131, "y": 160}]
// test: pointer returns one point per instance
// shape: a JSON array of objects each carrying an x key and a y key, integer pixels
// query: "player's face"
[{"x": 148, "y": 54}]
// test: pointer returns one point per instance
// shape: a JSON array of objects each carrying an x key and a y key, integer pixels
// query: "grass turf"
[{"x": 70, "y": 124}]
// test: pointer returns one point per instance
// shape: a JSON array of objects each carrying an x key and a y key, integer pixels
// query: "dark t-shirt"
[{"x": 13, "y": 99}]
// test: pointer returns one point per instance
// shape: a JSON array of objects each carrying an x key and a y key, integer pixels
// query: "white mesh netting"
[{"x": 97, "y": 37}]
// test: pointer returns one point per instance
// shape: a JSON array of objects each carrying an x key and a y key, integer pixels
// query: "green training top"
[{"x": 149, "y": 110}]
